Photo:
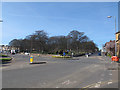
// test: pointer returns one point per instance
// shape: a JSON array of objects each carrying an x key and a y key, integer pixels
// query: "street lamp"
[
  {"x": 109, "y": 16},
  {"x": 115, "y": 31},
  {"x": 1, "y": 20}
]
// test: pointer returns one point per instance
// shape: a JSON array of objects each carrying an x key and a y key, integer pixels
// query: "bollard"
[
  {"x": 72, "y": 54},
  {"x": 31, "y": 59},
  {"x": 87, "y": 56}
]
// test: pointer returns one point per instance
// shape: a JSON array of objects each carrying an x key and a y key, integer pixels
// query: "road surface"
[{"x": 78, "y": 72}]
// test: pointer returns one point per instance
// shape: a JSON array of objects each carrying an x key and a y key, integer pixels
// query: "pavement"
[{"x": 78, "y": 72}]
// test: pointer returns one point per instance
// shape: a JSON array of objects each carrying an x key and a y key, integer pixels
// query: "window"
[{"x": 119, "y": 37}]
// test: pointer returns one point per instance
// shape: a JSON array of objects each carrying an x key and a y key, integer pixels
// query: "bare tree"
[{"x": 40, "y": 42}]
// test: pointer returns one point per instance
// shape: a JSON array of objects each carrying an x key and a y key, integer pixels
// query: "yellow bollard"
[{"x": 31, "y": 59}]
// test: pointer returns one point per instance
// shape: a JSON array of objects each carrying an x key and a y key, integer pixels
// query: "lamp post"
[
  {"x": 68, "y": 42},
  {"x": 1, "y": 20},
  {"x": 115, "y": 31}
]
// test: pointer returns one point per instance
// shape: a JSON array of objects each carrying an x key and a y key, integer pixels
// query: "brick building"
[
  {"x": 118, "y": 43},
  {"x": 110, "y": 47}
]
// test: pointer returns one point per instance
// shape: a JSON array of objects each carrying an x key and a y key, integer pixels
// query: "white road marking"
[
  {"x": 67, "y": 82},
  {"x": 97, "y": 85},
  {"x": 109, "y": 82},
  {"x": 99, "y": 82},
  {"x": 110, "y": 74}
]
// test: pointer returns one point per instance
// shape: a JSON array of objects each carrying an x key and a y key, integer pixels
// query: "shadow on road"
[{"x": 37, "y": 63}]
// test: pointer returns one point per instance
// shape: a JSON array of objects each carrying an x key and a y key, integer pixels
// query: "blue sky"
[{"x": 59, "y": 18}]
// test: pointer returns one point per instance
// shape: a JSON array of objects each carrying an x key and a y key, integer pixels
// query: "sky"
[
  {"x": 59, "y": 18},
  {"x": 119, "y": 16}
]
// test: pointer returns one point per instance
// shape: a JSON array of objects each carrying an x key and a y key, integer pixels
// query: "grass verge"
[
  {"x": 5, "y": 59},
  {"x": 1, "y": 55}
]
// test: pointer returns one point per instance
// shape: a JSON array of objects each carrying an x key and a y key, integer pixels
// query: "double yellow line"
[{"x": 91, "y": 85}]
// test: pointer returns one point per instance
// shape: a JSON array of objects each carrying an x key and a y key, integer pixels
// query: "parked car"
[
  {"x": 89, "y": 53},
  {"x": 26, "y": 53}
]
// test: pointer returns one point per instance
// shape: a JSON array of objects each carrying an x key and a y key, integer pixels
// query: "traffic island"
[
  {"x": 1, "y": 55},
  {"x": 5, "y": 59},
  {"x": 58, "y": 56},
  {"x": 38, "y": 63}
]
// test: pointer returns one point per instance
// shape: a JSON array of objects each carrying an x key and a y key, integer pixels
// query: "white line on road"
[
  {"x": 109, "y": 82},
  {"x": 110, "y": 74},
  {"x": 67, "y": 82},
  {"x": 56, "y": 87},
  {"x": 97, "y": 85}
]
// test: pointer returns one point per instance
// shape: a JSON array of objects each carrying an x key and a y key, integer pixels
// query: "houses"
[
  {"x": 7, "y": 49},
  {"x": 110, "y": 47},
  {"x": 118, "y": 43},
  {"x": 3, "y": 48}
]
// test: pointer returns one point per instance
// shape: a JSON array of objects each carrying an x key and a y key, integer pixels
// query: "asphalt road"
[{"x": 79, "y": 72}]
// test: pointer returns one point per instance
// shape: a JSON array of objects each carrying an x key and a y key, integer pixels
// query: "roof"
[{"x": 118, "y": 32}]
